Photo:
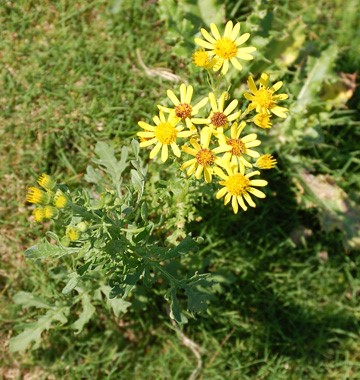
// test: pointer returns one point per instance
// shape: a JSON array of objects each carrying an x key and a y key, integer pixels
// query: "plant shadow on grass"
[{"x": 256, "y": 250}]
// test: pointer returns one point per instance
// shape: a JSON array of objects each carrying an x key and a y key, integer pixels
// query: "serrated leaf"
[
  {"x": 118, "y": 305},
  {"x": 138, "y": 183},
  {"x": 33, "y": 331},
  {"x": 46, "y": 250},
  {"x": 185, "y": 246},
  {"x": 73, "y": 281},
  {"x": 108, "y": 162},
  {"x": 92, "y": 176},
  {"x": 175, "y": 310},
  {"x": 85, "y": 315},
  {"x": 26, "y": 299},
  {"x": 135, "y": 148}
]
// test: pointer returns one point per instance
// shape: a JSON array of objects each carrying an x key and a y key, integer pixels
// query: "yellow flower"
[
  {"x": 240, "y": 146},
  {"x": 72, "y": 233},
  {"x": 262, "y": 120},
  {"x": 219, "y": 118},
  {"x": 263, "y": 98},
  {"x": 164, "y": 133},
  {"x": 201, "y": 58},
  {"x": 205, "y": 158},
  {"x": 226, "y": 48},
  {"x": 37, "y": 196},
  {"x": 50, "y": 212},
  {"x": 238, "y": 186},
  {"x": 46, "y": 182},
  {"x": 39, "y": 214},
  {"x": 183, "y": 108},
  {"x": 266, "y": 161},
  {"x": 60, "y": 199}
]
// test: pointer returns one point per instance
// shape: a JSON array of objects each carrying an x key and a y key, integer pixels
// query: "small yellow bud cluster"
[{"x": 48, "y": 201}]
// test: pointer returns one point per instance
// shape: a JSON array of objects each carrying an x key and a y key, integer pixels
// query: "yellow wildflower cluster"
[
  {"x": 211, "y": 130},
  {"x": 49, "y": 199}
]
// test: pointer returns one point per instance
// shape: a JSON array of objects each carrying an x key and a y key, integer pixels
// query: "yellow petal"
[
  {"x": 213, "y": 102},
  {"x": 189, "y": 94},
  {"x": 220, "y": 173},
  {"x": 164, "y": 153},
  {"x": 258, "y": 182},
  {"x": 144, "y": 144},
  {"x": 231, "y": 107},
  {"x": 204, "y": 44},
  {"x": 199, "y": 105},
  {"x": 176, "y": 149},
  {"x": 146, "y": 126},
  {"x": 225, "y": 67},
  {"x": 236, "y": 63},
  {"x": 249, "y": 200},
  {"x": 243, "y": 38},
  {"x": 199, "y": 171},
  {"x": 207, "y": 174},
  {"x": 215, "y": 31},
  {"x": 241, "y": 202},
  {"x": 182, "y": 93},
  {"x": 221, "y": 193},
  {"x": 173, "y": 97},
  {"x": 249, "y": 137},
  {"x": 155, "y": 150},
  {"x": 245, "y": 56},
  {"x": 207, "y": 36},
  {"x": 280, "y": 111},
  {"x": 145, "y": 134},
  {"x": 256, "y": 192},
  {"x": 235, "y": 31},
  {"x": 188, "y": 163},
  {"x": 276, "y": 86},
  {"x": 251, "y": 85},
  {"x": 228, "y": 29},
  {"x": 234, "y": 204}
]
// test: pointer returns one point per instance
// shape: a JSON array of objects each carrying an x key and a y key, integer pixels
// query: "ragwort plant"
[{"x": 110, "y": 232}]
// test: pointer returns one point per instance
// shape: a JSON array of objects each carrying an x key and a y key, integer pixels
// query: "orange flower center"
[
  {"x": 218, "y": 119},
  {"x": 238, "y": 147},
  {"x": 205, "y": 157},
  {"x": 183, "y": 110}
]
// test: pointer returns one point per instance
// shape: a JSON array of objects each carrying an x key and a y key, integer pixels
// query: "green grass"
[{"x": 286, "y": 303}]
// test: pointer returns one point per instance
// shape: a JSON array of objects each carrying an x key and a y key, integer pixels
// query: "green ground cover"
[{"x": 286, "y": 303}]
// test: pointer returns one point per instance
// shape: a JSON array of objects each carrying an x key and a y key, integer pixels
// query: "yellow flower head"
[
  {"x": 39, "y": 214},
  {"x": 50, "y": 212},
  {"x": 219, "y": 117},
  {"x": 240, "y": 146},
  {"x": 164, "y": 133},
  {"x": 37, "y": 196},
  {"x": 72, "y": 233},
  {"x": 204, "y": 158},
  {"x": 46, "y": 182},
  {"x": 183, "y": 109},
  {"x": 263, "y": 98},
  {"x": 266, "y": 161},
  {"x": 225, "y": 48},
  {"x": 201, "y": 58},
  {"x": 60, "y": 199},
  {"x": 262, "y": 120},
  {"x": 237, "y": 187}
]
